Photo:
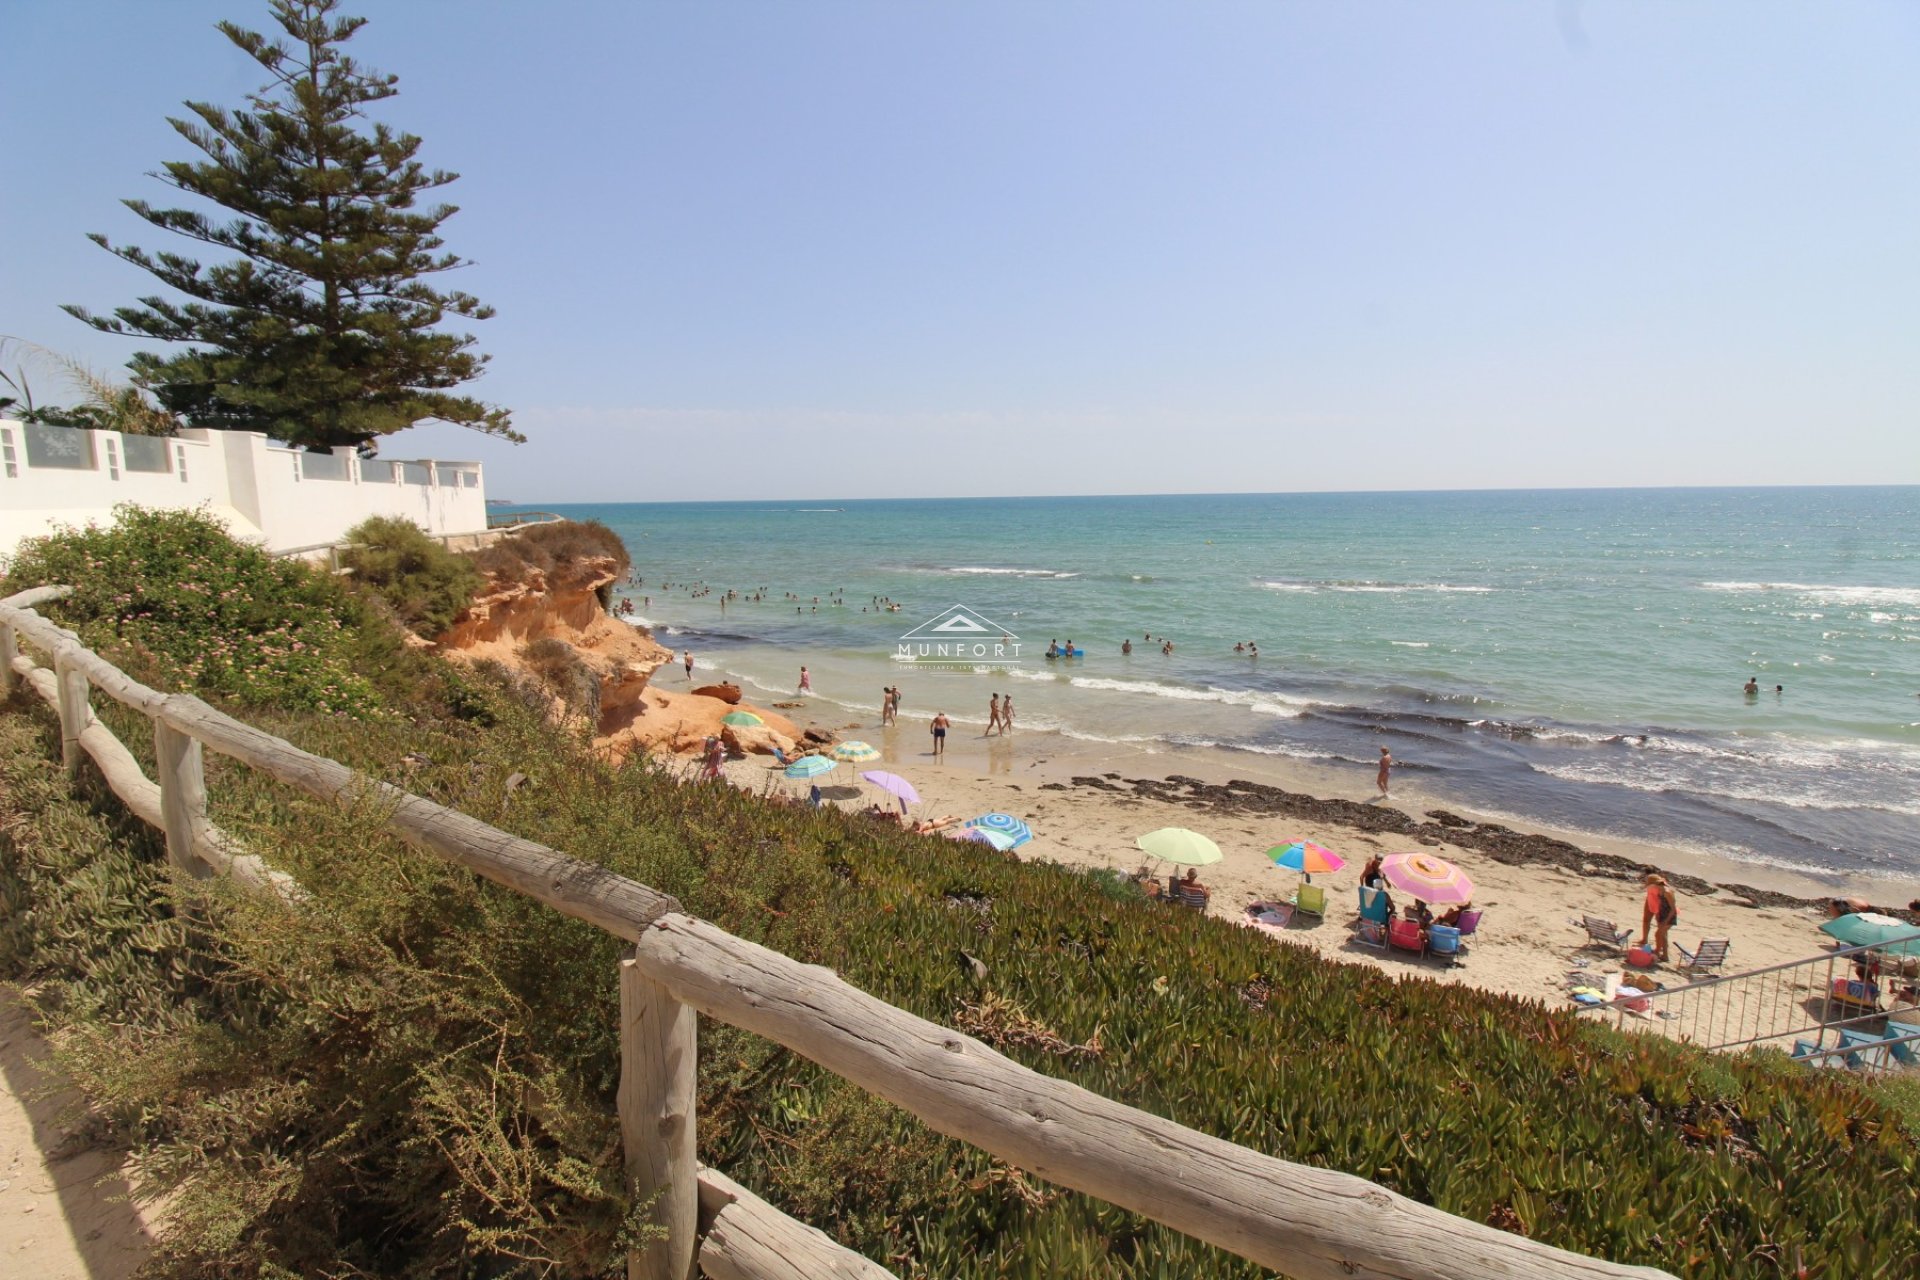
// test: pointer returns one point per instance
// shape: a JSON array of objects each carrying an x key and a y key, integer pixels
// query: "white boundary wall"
[{"x": 284, "y": 498}]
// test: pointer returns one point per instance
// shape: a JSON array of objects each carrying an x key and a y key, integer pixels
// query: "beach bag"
[{"x": 1641, "y": 957}]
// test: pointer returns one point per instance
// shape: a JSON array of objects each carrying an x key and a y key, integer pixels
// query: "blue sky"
[{"x": 895, "y": 249}]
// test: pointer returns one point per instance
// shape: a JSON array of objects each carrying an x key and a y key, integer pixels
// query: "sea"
[{"x": 1574, "y": 659}]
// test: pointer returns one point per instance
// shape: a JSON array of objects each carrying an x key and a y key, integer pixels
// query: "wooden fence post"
[
  {"x": 183, "y": 794},
  {"x": 75, "y": 710},
  {"x": 657, "y": 1062},
  {"x": 9, "y": 650}
]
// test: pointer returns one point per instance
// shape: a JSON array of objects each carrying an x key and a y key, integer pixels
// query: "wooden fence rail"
[{"x": 1309, "y": 1223}]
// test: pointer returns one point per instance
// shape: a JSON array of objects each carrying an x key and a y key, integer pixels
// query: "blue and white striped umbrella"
[
  {"x": 810, "y": 767},
  {"x": 1006, "y": 824}
]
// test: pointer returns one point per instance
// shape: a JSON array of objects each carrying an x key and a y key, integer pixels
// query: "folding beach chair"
[
  {"x": 1604, "y": 933},
  {"x": 1711, "y": 955},
  {"x": 1373, "y": 906},
  {"x": 1404, "y": 935},
  {"x": 1310, "y": 900},
  {"x": 1192, "y": 895},
  {"x": 1469, "y": 923},
  {"x": 1853, "y": 996},
  {"x": 1444, "y": 940}
]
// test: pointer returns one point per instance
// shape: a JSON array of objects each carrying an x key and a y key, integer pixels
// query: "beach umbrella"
[
  {"x": 741, "y": 719},
  {"x": 1871, "y": 929},
  {"x": 1306, "y": 857},
  {"x": 982, "y": 835},
  {"x": 894, "y": 785},
  {"x": 1177, "y": 844},
  {"x": 1006, "y": 824},
  {"x": 1427, "y": 878},
  {"x": 854, "y": 752},
  {"x": 810, "y": 767}
]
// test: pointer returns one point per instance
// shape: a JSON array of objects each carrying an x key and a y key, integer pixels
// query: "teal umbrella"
[
  {"x": 1871, "y": 929},
  {"x": 1004, "y": 824},
  {"x": 810, "y": 767}
]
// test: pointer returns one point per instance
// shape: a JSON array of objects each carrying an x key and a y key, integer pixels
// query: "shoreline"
[{"x": 1087, "y": 802}]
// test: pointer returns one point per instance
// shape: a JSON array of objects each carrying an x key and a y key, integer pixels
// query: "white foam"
[
  {"x": 1381, "y": 588},
  {"x": 1265, "y": 703},
  {"x": 983, "y": 570},
  {"x": 1824, "y": 594},
  {"x": 1411, "y": 644}
]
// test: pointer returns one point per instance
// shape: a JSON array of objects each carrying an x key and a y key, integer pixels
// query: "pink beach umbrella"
[{"x": 1427, "y": 878}]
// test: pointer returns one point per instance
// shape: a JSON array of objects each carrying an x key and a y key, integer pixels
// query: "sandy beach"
[{"x": 1087, "y": 806}]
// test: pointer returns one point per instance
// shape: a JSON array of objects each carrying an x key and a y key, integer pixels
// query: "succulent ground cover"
[{"x": 411, "y": 1073}]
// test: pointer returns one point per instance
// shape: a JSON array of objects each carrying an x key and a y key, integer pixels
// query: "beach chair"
[
  {"x": 1371, "y": 933},
  {"x": 1469, "y": 923},
  {"x": 1874, "y": 1053},
  {"x": 1444, "y": 940},
  {"x": 1853, "y": 996},
  {"x": 1310, "y": 900},
  {"x": 1711, "y": 955},
  {"x": 1373, "y": 906},
  {"x": 1192, "y": 895},
  {"x": 1604, "y": 933},
  {"x": 1404, "y": 935},
  {"x": 1909, "y": 1052}
]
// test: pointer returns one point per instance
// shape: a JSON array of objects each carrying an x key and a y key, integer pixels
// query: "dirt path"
[{"x": 64, "y": 1211}]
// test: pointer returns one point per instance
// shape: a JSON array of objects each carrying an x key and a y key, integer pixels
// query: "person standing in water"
[
  {"x": 806, "y": 681},
  {"x": 689, "y": 662},
  {"x": 1126, "y": 647},
  {"x": 1386, "y": 771},
  {"x": 940, "y": 724}
]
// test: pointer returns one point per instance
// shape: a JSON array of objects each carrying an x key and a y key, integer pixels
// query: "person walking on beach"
[
  {"x": 993, "y": 715},
  {"x": 940, "y": 723},
  {"x": 1662, "y": 911},
  {"x": 1386, "y": 771},
  {"x": 896, "y": 704},
  {"x": 806, "y": 681},
  {"x": 716, "y": 756},
  {"x": 886, "y": 704},
  {"x": 689, "y": 662}
]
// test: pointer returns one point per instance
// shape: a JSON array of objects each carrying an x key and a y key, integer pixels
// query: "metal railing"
[{"x": 1822, "y": 996}]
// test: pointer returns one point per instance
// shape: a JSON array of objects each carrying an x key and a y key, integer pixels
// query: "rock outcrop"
[{"x": 565, "y": 603}]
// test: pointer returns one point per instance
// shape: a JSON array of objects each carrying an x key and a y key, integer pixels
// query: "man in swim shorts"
[{"x": 940, "y": 724}]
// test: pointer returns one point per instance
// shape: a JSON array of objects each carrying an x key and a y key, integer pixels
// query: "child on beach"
[{"x": 806, "y": 681}]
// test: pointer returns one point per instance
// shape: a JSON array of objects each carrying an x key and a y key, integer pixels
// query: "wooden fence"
[{"x": 1308, "y": 1223}]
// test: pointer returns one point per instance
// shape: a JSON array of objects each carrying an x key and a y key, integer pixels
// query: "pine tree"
[{"x": 323, "y": 331}]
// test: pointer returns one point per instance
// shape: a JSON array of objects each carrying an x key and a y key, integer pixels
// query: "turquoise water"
[{"x": 1573, "y": 657}]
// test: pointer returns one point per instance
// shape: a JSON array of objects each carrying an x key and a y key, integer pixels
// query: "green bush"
[
  {"x": 190, "y": 605},
  {"x": 425, "y": 585},
  {"x": 542, "y": 546}
]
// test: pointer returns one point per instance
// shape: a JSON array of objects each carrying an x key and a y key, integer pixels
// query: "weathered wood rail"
[{"x": 1308, "y": 1223}]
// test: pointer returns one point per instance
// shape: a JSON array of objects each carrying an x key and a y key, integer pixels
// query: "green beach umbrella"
[
  {"x": 1177, "y": 844},
  {"x": 742, "y": 719},
  {"x": 1871, "y": 929}
]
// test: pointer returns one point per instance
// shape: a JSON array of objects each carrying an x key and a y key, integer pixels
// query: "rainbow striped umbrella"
[
  {"x": 1306, "y": 857},
  {"x": 1427, "y": 878}
]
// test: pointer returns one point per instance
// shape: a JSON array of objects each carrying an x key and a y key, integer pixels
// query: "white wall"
[{"x": 279, "y": 497}]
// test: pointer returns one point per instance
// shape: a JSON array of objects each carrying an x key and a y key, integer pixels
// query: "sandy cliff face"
[{"x": 564, "y": 604}]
